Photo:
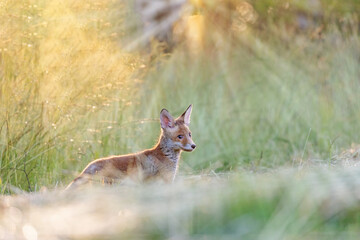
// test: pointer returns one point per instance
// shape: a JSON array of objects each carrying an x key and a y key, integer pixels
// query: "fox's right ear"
[{"x": 166, "y": 120}]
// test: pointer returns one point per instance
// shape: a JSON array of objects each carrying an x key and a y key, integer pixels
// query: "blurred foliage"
[
  {"x": 58, "y": 65},
  {"x": 313, "y": 203},
  {"x": 266, "y": 92}
]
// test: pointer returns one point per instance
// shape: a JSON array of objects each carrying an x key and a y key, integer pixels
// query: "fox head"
[{"x": 176, "y": 131}]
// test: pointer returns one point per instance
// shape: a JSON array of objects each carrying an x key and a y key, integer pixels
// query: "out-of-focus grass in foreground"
[{"x": 288, "y": 204}]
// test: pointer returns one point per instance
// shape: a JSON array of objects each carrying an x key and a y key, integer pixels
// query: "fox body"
[{"x": 159, "y": 163}]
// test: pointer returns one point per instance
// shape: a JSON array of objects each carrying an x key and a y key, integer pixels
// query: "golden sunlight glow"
[
  {"x": 66, "y": 50},
  {"x": 72, "y": 46},
  {"x": 212, "y": 22},
  {"x": 194, "y": 31},
  {"x": 197, "y": 3}
]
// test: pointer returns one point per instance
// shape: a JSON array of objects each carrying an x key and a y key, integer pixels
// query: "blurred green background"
[{"x": 273, "y": 83}]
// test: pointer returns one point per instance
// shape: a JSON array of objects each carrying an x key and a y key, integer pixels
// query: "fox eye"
[
  {"x": 180, "y": 136},
  {"x": 189, "y": 134}
]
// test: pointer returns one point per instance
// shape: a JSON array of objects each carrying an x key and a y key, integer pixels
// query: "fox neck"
[{"x": 166, "y": 147}]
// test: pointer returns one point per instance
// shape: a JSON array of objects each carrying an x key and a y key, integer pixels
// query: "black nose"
[{"x": 193, "y": 146}]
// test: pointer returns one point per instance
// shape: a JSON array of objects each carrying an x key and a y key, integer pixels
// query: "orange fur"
[{"x": 161, "y": 162}]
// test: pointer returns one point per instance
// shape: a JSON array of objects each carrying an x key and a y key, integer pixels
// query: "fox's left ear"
[{"x": 186, "y": 115}]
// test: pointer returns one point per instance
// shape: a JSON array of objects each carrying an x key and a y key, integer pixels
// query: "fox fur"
[{"x": 158, "y": 163}]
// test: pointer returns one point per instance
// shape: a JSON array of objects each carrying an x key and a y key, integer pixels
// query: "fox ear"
[
  {"x": 166, "y": 120},
  {"x": 186, "y": 115}
]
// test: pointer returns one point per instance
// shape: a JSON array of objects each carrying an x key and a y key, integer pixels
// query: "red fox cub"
[{"x": 160, "y": 162}]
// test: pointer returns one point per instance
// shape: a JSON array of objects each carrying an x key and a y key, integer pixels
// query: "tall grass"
[
  {"x": 264, "y": 105},
  {"x": 59, "y": 68},
  {"x": 70, "y": 94}
]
